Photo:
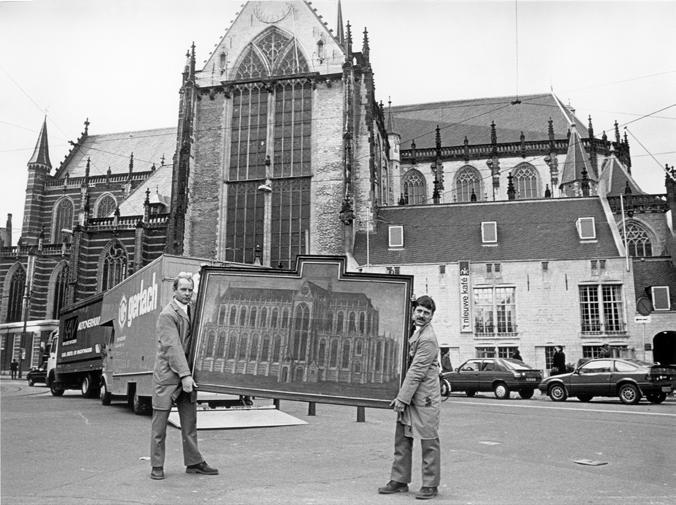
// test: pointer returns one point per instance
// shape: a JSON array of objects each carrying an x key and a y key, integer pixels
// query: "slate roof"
[
  {"x": 114, "y": 149},
  {"x": 577, "y": 161},
  {"x": 472, "y": 118},
  {"x": 615, "y": 176},
  {"x": 527, "y": 230}
]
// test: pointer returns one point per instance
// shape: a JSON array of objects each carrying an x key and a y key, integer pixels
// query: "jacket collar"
[{"x": 177, "y": 308}]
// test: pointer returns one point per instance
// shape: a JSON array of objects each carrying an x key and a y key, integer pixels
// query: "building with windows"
[{"x": 283, "y": 148}]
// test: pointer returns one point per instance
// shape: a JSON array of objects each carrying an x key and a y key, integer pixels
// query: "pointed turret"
[
  {"x": 577, "y": 168},
  {"x": 41, "y": 151},
  {"x": 615, "y": 178},
  {"x": 365, "y": 47}
]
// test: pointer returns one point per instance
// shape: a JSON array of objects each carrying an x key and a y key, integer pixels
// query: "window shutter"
[
  {"x": 396, "y": 236},
  {"x": 586, "y": 228},
  {"x": 660, "y": 296}
]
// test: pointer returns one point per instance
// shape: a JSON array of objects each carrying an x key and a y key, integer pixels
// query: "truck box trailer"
[
  {"x": 130, "y": 309},
  {"x": 76, "y": 354}
]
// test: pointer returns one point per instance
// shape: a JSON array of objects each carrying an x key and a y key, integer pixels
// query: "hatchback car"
[
  {"x": 500, "y": 375},
  {"x": 629, "y": 379},
  {"x": 37, "y": 375}
]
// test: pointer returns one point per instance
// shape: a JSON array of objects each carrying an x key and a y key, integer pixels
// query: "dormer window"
[
  {"x": 489, "y": 232},
  {"x": 396, "y": 236},
  {"x": 586, "y": 228},
  {"x": 660, "y": 296}
]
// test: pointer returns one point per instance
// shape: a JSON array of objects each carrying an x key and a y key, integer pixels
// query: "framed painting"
[{"x": 317, "y": 333}]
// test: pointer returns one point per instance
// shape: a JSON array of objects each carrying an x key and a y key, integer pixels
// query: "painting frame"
[{"x": 317, "y": 333}]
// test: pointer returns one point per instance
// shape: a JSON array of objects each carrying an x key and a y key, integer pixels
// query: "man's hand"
[
  {"x": 188, "y": 384},
  {"x": 397, "y": 405}
]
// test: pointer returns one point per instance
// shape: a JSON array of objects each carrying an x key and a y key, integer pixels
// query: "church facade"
[{"x": 283, "y": 148}]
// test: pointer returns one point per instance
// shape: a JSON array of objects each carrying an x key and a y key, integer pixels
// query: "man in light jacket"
[
  {"x": 418, "y": 405},
  {"x": 173, "y": 382}
]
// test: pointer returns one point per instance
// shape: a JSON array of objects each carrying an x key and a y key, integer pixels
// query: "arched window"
[
  {"x": 285, "y": 318},
  {"x": 60, "y": 289},
  {"x": 414, "y": 188},
  {"x": 275, "y": 317},
  {"x": 467, "y": 183},
  {"x": 62, "y": 220},
  {"x": 220, "y": 345},
  {"x": 352, "y": 325},
  {"x": 242, "y": 316},
  {"x": 265, "y": 349},
  {"x": 328, "y": 322},
  {"x": 243, "y": 342},
  {"x": 105, "y": 205},
  {"x": 333, "y": 355},
  {"x": 346, "y": 355},
  {"x": 211, "y": 338},
  {"x": 301, "y": 330},
  {"x": 264, "y": 317},
  {"x": 321, "y": 354},
  {"x": 114, "y": 267},
  {"x": 252, "y": 317},
  {"x": 362, "y": 323},
  {"x": 339, "y": 326},
  {"x": 253, "y": 353},
  {"x": 17, "y": 284},
  {"x": 638, "y": 240},
  {"x": 276, "y": 349},
  {"x": 233, "y": 315},
  {"x": 251, "y": 65},
  {"x": 293, "y": 62},
  {"x": 525, "y": 179},
  {"x": 232, "y": 346}
]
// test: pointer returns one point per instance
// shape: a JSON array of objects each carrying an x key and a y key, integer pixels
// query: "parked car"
[
  {"x": 630, "y": 379},
  {"x": 38, "y": 374},
  {"x": 500, "y": 375}
]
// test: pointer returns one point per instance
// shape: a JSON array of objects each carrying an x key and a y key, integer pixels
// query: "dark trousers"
[
  {"x": 403, "y": 453},
  {"x": 187, "y": 412},
  {"x": 13, "y": 374}
]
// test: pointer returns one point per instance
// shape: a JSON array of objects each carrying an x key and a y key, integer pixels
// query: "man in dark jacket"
[
  {"x": 418, "y": 405},
  {"x": 173, "y": 383},
  {"x": 558, "y": 361}
]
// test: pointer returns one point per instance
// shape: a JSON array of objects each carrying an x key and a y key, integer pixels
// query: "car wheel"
[
  {"x": 469, "y": 393},
  {"x": 629, "y": 394},
  {"x": 445, "y": 387},
  {"x": 526, "y": 394},
  {"x": 584, "y": 398},
  {"x": 104, "y": 394},
  {"x": 557, "y": 392},
  {"x": 656, "y": 397},
  {"x": 501, "y": 391}
]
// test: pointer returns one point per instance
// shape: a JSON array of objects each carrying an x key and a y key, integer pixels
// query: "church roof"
[
  {"x": 41, "y": 152},
  {"x": 615, "y": 177},
  {"x": 159, "y": 184},
  {"x": 114, "y": 150},
  {"x": 473, "y": 117},
  {"x": 538, "y": 230},
  {"x": 577, "y": 161}
]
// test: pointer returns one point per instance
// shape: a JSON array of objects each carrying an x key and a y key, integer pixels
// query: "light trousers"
[
  {"x": 403, "y": 453},
  {"x": 187, "y": 412}
]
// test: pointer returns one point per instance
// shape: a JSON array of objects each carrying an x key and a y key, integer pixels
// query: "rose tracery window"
[{"x": 114, "y": 266}]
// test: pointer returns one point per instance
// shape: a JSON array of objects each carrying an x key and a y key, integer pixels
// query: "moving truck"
[
  {"x": 130, "y": 309},
  {"x": 76, "y": 354}
]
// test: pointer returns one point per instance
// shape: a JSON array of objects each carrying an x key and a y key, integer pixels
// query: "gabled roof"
[
  {"x": 615, "y": 177},
  {"x": 527, "y": 230},
  {"x": 577, "y": 161},
  {"x": 41, "y": 151},
  {"x": 114, "y": 149},
  {"x": 473, "y": 117}
]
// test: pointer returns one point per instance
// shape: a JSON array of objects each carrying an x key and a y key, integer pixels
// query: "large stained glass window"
[
  {"x": 525, "y": 179},
  {"x": 414, "y": 188},
  {"x": 467, "y": 183}
]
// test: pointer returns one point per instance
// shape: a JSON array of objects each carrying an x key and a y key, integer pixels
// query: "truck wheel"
[
  {"x": 56, "y": 389},
  {"x": 104, "y": 394},
  {"x": 87, "y": 387},
  {"x": 140, "y": 406}
]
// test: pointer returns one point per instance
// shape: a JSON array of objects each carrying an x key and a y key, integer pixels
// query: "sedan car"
[
  {"x": 37, "y": 375},
  {"x": 629, "y": 379},
  {"x": 500, "y": 375}
]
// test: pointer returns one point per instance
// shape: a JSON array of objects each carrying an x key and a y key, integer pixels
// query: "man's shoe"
[
  {"x": 393, "y": 487},
  {"x": 426, "y": 493},
  {"x": 202, "y": 468},
  {"x": 157, "y": 473}
]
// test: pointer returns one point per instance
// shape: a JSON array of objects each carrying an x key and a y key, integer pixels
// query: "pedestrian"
[
  {"x": 517, "y": 355},
  {"x": 173, "y": 382},
  {"x": 558, "y": 361},
  {"x": 445, "y": 359},
  {"x": 13, "y": 366},
  {"x": 417, "y": 405},
  {"x": 605, "y": 351}
]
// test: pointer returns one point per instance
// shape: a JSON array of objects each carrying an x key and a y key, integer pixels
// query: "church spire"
[
  {"x": 340, "y": 33},
  {"x": 41, "y": 152}
]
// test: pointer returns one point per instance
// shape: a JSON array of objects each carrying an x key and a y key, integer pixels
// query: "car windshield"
[{"x": 515, "y": 364}]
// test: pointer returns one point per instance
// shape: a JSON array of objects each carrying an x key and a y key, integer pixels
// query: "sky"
[{"x": 119, "y": 64}]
